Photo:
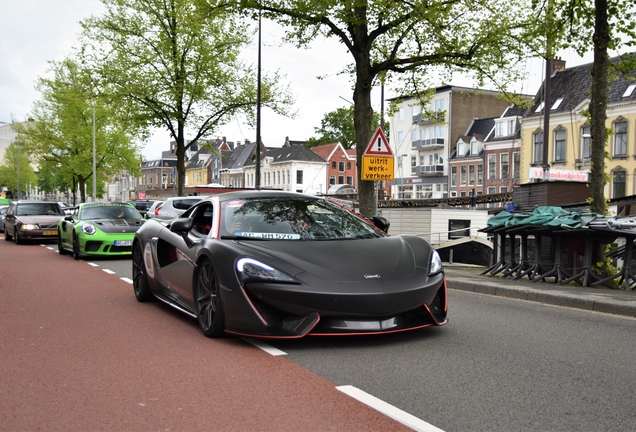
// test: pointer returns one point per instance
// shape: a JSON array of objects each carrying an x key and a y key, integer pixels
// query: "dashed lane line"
[
  {"x": 388, "y": 409},
  {"x": 264, "y": 346}
]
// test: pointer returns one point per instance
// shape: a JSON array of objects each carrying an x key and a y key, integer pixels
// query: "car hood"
[
  {"x": 388, "y": 258},
  {"x": 117, "y": 225},
  {"x": 40, "y": 219}
]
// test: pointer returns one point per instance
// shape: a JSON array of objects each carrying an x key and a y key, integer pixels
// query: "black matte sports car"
[{"x": 273, "y": 264}]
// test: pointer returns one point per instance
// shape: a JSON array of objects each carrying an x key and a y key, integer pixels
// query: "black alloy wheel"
[
  {"x": 60, "y": 249},
  {"x": 16, "y": 236},
  {"x": 76, "y": 252},
  {"x": 140, "y": 278},
  {"x": 208, "y": 301}
]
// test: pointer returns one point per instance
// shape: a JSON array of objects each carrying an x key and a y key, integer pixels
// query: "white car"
[
  {"x": 150, "y": 213},
  {"x": 175, "y": 206}
]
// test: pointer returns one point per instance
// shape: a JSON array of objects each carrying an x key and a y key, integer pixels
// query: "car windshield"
[
  {"x": 109, "y": 212},
  {"x": 38, "y": 209},
  {"x": 292, "y": 218},
  {"x": 142, "y": 205}
]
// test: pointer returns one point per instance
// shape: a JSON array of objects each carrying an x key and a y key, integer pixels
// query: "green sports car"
[{"x": 99, "y": 229}]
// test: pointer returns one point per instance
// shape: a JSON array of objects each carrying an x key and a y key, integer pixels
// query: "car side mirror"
[
  {"x": 182, "y": 227},
  {"x": 68, "y": 218},
  {"x": 381, "y": 223}
]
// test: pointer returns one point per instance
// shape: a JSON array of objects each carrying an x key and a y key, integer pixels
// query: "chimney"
[{"x": 557, "y": 64}]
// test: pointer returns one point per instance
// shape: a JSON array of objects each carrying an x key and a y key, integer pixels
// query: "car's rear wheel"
[
  {"x": 16, "y": 236},
  {"x": 140, "y": 278},
  {"x": 60, "y": 249},
  {"x": 7, "y": 236},
  {"x": 76, "y": 252},
  {"x": 208, "y": 300}
]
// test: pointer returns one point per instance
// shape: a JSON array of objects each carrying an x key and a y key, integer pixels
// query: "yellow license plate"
[{"x": 53, "y": 232}]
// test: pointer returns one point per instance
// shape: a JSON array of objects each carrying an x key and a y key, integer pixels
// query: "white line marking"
[
  {"x": 108, "y": 271},
  {"x": 125, "y": 279},
  {"x": 265, "y": 347},
  {"x": 92, "y": 264},
  {"x": 388, "y": 409}
]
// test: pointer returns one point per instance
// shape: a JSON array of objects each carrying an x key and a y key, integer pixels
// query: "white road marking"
[
  {"x": 108, "y": 271},
  {"x": 388, "y": 409},
  {"x": 93, "y": 264},
  {"x": 265, "y": 347},
  {"x": 125, "y": 279}
]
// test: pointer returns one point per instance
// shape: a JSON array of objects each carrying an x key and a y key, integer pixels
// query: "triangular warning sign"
[{"x": 378, "y": 146}]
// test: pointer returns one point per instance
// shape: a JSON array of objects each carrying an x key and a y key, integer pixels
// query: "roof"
[
  {"x": 326, "y": 150},
  {"x": 572, "y": 87},
  {"x": 293, "y": 153}
]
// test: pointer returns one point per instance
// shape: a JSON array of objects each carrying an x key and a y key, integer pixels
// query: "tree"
[
  {"x": 390, "y": 39},
  {"x": 337, "y": 126},
  {"x": 15, "y": 156},
  {"x": 60, "y": 134},
  {"x": 174, "y": 64}
]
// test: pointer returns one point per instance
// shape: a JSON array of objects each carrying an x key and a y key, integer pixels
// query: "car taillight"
[{"x": 157, "y": 210}]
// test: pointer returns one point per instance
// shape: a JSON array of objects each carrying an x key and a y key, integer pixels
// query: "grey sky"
[{"x": 33, "y": 32}]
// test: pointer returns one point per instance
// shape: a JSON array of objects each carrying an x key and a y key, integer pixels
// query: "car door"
[
  {"x": 9, "y": 220},
  {"x": 177, "y": 254},
  {"x": 67, "y": 225}
]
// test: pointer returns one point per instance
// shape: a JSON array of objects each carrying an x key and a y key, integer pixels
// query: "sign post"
[{"x": 378, "y": 162}]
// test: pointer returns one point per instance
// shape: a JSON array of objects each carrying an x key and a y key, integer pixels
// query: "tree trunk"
[
  {"x": 362, "y": 118},
  {"x": 598, "y": 114},
  {"x": 180, "y": 152}
]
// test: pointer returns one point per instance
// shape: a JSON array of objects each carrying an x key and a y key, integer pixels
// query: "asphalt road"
[{"x": 500, "y": 364}]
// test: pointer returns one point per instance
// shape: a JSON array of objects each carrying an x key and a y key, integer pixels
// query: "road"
[{"x": 500, "y": 365}]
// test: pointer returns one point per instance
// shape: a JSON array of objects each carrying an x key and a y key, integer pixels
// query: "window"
[
  {"x": 462, "y": 171},
  {"x": 511, "y": 127},
  {"x": 348, "y": 165},
  {"x": 350, "y": 180},
  {"x": 499, "y": 127},
  {"x": 424, "y": 191},
  {"x": 471, "y": 175},
  {"x": 492, "y": 166},
  {"x": 332, "y": 180},
  {"x": 618, "y": 184},
  {"x": 414, "y": 135},
  {"x": 505, "y": 163},
  {"x": 480, "y": 175},
  {"x": 516, "y": 165},
  {"x": 503, "y": 189},
  {"x": 620, "y": 138},
  {"x": 586, "y": 142},
  {"x": 474, "y": 148},
  {"x": 341, "y": 166},
  {"x": 559, "y": 145},
  {"x": 333, "y": 164},
  {"x": 537, "y": 139},
  {"x": 299, "y": 177},
  {"x": 458, "y": 228},
  {"x": 454, "y": 176},
  {"x": 340, "y": 179},
  {"x": 400, "y": 137},
  {"x": 401, "y": 114}
]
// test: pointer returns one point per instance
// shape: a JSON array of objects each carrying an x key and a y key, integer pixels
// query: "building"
[
  {"x": 341, "y": 166},
  {"x": 423, "y": 138},
  {"x": 569, "y": 143},
  {"x": 295, "y": 168}
]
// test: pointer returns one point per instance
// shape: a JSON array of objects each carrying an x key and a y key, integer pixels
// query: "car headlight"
[
  {"x": 248, "y": 268},
  {"x": 30, "y": 227},
  {"x": 88, "y": 229},
  {"x": 436, "y": 264}
]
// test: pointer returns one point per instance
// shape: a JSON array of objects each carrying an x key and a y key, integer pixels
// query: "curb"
[{"x": 593, "y": 299}]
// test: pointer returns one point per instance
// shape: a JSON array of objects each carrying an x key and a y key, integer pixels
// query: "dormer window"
[
  {"x": 629, "y": 90},
  {"x": 539, "y": 108},
  {"x": 556, "y": 104},
  {"x": 474, "y": 148}
]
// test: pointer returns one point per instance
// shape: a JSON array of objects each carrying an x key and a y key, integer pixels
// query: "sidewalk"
[{"x": 469, "y": 278}]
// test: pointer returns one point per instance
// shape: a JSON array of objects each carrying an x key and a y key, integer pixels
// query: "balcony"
[
  {"x": 432, "y": 118},
  {"x": 427, "y": 170},
  {"x": 428, "y": 144}
]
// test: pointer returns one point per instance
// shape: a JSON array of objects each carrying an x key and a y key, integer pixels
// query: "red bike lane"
[{"x": 79, "y": 353}]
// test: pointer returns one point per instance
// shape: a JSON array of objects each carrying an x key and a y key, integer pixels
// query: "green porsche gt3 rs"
[{"x": 99, "y": 229}]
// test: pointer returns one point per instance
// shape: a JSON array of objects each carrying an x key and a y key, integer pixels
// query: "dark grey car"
[{"x": 32, "y": 220}]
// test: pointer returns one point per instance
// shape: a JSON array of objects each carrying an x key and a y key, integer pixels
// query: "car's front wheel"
[
  {"x": 16, "y": 236},
  {"x": 208, "y": 301},
  {"x": 140, "y": 278},
  {"x": 7, "y": 236},
  {"x": 60, "y": 249},
  {"x": 76, "y": 251}
]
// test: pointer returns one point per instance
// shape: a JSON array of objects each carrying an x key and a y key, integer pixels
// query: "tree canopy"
[
  {"x": 337, "y": 126},
  {"x": 174, "y": 64},
  {"x": 15, "y": 157},
  {"x": 403, "y": 43},
  {"x": 60, "y": 134}
]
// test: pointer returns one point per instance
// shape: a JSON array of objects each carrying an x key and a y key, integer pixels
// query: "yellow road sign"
[{"x": 376, "y": 168}]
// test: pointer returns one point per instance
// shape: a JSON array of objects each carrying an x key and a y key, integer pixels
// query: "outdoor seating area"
[{"x": 551, "y": 244}]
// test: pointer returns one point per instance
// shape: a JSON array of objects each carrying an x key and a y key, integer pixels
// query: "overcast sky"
[{"x": 33, "y": 32}]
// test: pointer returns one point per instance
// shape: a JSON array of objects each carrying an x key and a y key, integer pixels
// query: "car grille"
[
  {"x": 48, "y": 226},
  {"x": 118, "y": 249},
  {"x": 92, "y": 246}
]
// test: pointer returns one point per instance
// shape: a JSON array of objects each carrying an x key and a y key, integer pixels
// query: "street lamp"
[{"x": 94, "y": 164}]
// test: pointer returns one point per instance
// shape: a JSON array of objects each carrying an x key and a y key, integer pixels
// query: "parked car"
[
  {"x": 32, "y": 220},
  {"x": 285, "y": 265},
  {"x": 3, "y": 210},
  {"x": 151, "y": 210},
  {"x": 174, "y": 207},
  {"x": 142, "y": 205},
  {"x": 99, "y": 229}
]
